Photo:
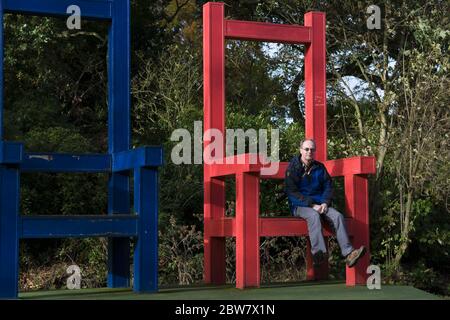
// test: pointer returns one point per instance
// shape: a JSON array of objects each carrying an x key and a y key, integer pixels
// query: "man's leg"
[
  {"x": 312, "y": 218},
  {"x": 337, "y": 220}
]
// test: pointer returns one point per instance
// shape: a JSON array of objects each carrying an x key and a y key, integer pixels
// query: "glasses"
[{"x": 309, "y": 149}]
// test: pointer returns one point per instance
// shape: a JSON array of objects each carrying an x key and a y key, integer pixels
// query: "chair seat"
[{"x": 269, "y": 227}]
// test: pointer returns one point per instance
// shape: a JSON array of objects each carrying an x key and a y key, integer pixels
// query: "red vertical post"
[
  {"x": 315, "y": 83},
  {"x": 357, "y": 206},
  {"x": 214, "y": 247},
  {"x": 214, "y": 117},
  {"x": 316, "y": 105},
  {"x": 309, "y": 262},
  {"x": 247, "y": 231}
]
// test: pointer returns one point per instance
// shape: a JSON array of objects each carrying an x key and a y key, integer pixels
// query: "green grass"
[{"x": 283, "y": 291}]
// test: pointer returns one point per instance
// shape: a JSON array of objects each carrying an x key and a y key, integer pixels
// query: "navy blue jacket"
[{"x": 304, "y": 188}]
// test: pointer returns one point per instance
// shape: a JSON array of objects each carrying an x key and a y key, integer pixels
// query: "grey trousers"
[{"x": 334, "y": 218}]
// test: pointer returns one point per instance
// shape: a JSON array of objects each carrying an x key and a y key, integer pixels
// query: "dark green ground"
[{"x": 296, "y": 291}]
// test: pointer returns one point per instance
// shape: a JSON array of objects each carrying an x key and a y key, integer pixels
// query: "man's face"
[{"x": 307, "y": 150}]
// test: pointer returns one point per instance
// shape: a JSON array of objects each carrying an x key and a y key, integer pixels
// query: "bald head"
[
  {"x": 305, "y": 140},
  {"x": 307, "y": 150}
]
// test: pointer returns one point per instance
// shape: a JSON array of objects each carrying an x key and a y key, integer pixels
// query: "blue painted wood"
[
  {"x": 118, "y": 248},
  {"x": 9, "y": 239},
  {"x": 119, "y": 79},
  {"x": 82, "y": 226},
  {"x": 146, "y": 251},
  {"x": 118, "y": 225},
  {"x": 90, "y": 9},
  {"x": 1, "y": 70},
  {"x": 11, "y": 152},
  {"x": 60, "y": 162},
  {"x": 137, "y": 158},
  {"x": 119, "y": 136}
]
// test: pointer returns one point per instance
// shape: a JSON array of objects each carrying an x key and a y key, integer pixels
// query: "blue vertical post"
[
  {"x": 146, "y": 251},
  {"x": 119, "y": 136},
  {"x": 9, "y": 206},
  {"x": 9, "y": 237},
  {"x": 1, "y": 70}
]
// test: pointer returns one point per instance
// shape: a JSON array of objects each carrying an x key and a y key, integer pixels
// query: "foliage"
[
  {"x": 180, "y": 253},
  {"x": 387, "y": 96}
]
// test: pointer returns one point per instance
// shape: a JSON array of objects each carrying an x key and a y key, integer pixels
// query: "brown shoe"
[{"x": 353, "y": 257}]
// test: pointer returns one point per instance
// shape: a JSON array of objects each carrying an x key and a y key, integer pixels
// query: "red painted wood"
[
  {"x": 214, "y": 247},
  {"x": 268, "y": 227},
  {"x": 232, "y": 165},
  {"x": 292, "y": 226},
  {"x": 310, "y": 274},
  {"x": 315, "y": 84},
  {"x": 351, "y": 166},
  {"x": 357, "y": 207},
  {"x": 214, "y": 100},
  {"x": 247, "y": 230},
  {"x": 269, "y": 32},
  {"x": 336, "y": 168},
  {"x": 247, "y": 226},
  {"x": 224, "y": 227}
]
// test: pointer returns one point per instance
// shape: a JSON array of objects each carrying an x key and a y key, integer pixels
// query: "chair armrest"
[
  {"x": 137, "y": 158},
  {"x": 351, "y": 166},
  {"x": 229, "y": 166},
  {"x": 336, "y": 168},
  {"x": 11, "y": 152}
]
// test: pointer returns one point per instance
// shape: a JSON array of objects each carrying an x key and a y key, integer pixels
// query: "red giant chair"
[{"x": 247, "y": 226}]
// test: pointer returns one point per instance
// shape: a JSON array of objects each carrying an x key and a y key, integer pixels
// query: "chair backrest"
[
  {"x": 312, "y": 35},
  {"x": 115, "y": 11}
]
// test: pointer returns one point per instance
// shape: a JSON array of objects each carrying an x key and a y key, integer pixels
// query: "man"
[{"x": 309, "y": 189}]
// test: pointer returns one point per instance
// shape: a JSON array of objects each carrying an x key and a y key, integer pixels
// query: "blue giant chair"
[{"x": 119, "y": 225}]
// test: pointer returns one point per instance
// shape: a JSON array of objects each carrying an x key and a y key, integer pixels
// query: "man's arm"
[
  {"x": 291, "y": 189},
  {"x": 327, "y": 194}
]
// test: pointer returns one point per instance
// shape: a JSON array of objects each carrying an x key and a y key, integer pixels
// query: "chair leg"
[
  {"x": 146, "y": 251},
  {"x": 9, "y": 237},
  {"x": 357, "y": 206},
  {"x": 321, "y": 273},
  {"x": 247, "y": 231},
  {"x": 357, "y": 275},
  {"x": 214, "y": 259},
  {"x": 118, "y": 248}
]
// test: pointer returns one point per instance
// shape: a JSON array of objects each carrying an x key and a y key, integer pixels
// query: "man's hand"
[
  {"x": 323, "y": 208},
  {"x": 317, "y": 208}
]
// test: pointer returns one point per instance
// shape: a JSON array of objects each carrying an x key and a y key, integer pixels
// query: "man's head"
[{"x": 307, "y": 150}]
